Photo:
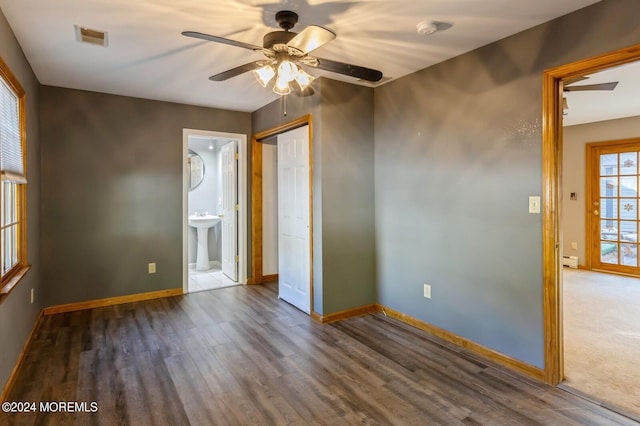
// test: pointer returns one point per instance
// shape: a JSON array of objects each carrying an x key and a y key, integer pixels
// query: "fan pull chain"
[{"x": 284, "y": 105}]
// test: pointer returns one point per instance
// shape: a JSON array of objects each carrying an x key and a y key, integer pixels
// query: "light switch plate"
[
  {"x": 427, "y": 291},
  {"x": 534, "y": 204}
]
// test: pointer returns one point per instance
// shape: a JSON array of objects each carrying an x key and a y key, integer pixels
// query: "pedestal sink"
[{"x": 202, "y": 225}]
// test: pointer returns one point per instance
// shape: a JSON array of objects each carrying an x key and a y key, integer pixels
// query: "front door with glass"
[{"x": 612, "y": 206}]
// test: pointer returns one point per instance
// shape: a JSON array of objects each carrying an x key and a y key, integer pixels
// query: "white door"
[
  {"x": 229, "y": 214},
  {"x": 294, "y": 250}
]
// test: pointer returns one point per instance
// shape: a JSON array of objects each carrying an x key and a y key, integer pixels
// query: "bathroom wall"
[
  {"x": 17, "y": 313},
  {"x": 206, "y": 198}
]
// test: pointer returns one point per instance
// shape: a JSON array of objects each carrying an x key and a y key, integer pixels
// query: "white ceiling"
[
  {"x": 147, "y": 57},
  {"x": 599, "y": 105}
]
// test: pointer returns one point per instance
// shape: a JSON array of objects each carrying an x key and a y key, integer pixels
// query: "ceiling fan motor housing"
[
  {"x": 277, "y": 37},
  {"x": 286, "y": 19}
]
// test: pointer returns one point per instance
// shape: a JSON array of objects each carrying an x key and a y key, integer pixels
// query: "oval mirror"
[{"x": 195, "y": 170}]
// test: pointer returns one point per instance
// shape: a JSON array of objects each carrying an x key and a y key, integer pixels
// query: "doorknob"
[
  {"x": 596, "y": 203},
  {"x": 596, "y": 212}
]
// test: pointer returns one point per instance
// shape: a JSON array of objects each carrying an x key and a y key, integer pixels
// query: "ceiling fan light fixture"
[
  {"x": 264, "y": 75},
  {"x": 304, "y": 79},
  {"x": 285, "y": 53},
  {"x": 287, "y": 71},
  {"x": 281, "y": 87}
]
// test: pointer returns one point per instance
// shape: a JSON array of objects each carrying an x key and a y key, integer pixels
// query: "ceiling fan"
[
  {"x": 587, "y": 87},
  {"x": 583, "y": 88},
  {"x": 286, "y": 54}
]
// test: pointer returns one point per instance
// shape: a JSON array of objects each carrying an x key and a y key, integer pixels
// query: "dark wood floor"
[{"x": 240, "y": 356}]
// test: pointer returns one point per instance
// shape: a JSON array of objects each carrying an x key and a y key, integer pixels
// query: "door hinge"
[
  {"x": 237, "y": 207},
  {"x": 237, "y": 156},
  {"x": 237, "y": 258}
]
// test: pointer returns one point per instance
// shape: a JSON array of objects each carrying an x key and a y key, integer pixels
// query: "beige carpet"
[{"x": 602, "y": 337}]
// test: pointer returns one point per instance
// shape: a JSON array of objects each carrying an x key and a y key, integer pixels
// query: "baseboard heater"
[{"x": 570, "y": 261}]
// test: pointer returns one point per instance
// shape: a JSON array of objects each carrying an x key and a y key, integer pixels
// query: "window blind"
[{"x": 11, "y": 155}]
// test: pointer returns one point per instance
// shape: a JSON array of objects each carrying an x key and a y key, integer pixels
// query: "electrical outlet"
[
  {"x": 33, "y": 295},
  {"x": 427, "y": 291},
  {"x": 152, "y": 268},
  {"x": 574, "y": 246}
]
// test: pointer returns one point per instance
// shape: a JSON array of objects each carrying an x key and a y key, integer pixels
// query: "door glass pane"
[
  {"x": 628, "y": 186},
  {"x": 609, "y": 208},
  {"x": 628, "y": 163},
  {"x": 629, "y": 254},
  {"x": 608, "y": 164},
  {"x": 629, "y": 231},
  {"x": 609, "y": 252},
  {"x": 628, "y": 208},
  {"x": 609, "y": 230},
  {"x": 608, "y": 186}
]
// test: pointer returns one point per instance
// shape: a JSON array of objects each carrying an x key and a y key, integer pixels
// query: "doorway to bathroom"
[{"x": 214, "y": 210}]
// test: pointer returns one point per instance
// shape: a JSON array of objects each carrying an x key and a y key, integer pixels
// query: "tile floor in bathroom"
[{"x": 208, "y": 280}]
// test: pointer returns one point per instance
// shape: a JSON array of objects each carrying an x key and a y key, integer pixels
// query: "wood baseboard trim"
[
  {"x": 475, "y": 348},
  {"x": 109, "y": 301},
  {"x": 12, "y": 377},
  {"x": 347, "y": 313},
  {"x": 269, "y": 278}
]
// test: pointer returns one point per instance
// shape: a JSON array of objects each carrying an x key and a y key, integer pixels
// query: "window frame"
[{"x": 11, "y": 279}]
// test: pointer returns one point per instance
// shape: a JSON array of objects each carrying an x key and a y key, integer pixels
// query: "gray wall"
[
  {"x": 347, "y": 158},
  {"x": 343, "y": 210},
  {"x": 457, "y": 153},
  {"x": 112, "y": 191},
  {"x": 17, "y": 314}
]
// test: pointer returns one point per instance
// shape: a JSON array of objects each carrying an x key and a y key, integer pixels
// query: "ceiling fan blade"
[
  {"x": 570, "y": 80},
  {"x": 311, "y": 38},
  {"x": 233, "y": 72},
  {"x": 208, "y": 37},
  {"x": 346, "y": 69},
  {"x": 587, "y": 87}
]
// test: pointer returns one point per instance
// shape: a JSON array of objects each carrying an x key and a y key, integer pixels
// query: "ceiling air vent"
[{"x": 87, "y": 35}]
